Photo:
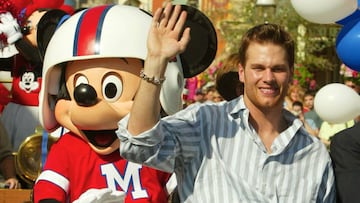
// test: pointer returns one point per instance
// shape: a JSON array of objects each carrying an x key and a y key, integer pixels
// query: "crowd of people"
[
  {"x": 300, "y": 102},
  {"x": 251, "y": 135}
]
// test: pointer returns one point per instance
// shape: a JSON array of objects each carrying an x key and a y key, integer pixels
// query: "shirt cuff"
[{"x": 148, "y": 138}]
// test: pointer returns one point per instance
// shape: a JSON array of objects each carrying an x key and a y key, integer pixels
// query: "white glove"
[
  {"x": 7, "y": 50},
  {"x": 10, "y": 27},
  {"x": 105, "y": 195}
]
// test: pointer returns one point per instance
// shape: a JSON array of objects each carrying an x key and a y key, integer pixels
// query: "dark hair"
[
  {"x": 310, "y": 92},
  {"x": 46, "y": 28},
  {"x": 227, "y": 78},
  {"x": 268, "y": 33},
  {"x": 298, "y": 103}
]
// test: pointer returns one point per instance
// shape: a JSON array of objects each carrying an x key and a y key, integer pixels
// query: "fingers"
[
  {"x": 168, "y": 27},
  {"x": 174, "y": 16},
  {"x": 184, "y": 40},
  {"x": 6, "y": 17},
  {"x": 164, "y": 16},
  {"x": 13, "y": 183},
  {"x": 9, "y": 16},
  {"x": 168, "y": 17},
  {"x": 180, "y": 21},
  {"x": 156, "y": 18}
]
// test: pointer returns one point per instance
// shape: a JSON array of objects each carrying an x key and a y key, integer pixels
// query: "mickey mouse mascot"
[{"x": 90, "y": 77}]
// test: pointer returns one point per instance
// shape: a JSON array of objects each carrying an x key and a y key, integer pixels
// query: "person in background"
[
  {"x": 345, "y": 153},
  {"x": 351, "y": 79},
  {"x": 227, "y": 78},
  {"x": 246, "y": 150},
  {"x": 353, "y": 84},
  {"x": 217, "y": 97},
  {"x": 7, "y": 163},
  {"x": 295, "y": 93},
  {"x": 310, "y": 113},
  {"x": 308, "y": 102},
  {"x": 199, "y": 96},
  {"x": 212, "y": 95},
  {"x": 310, "y": 126},
  {"x": 328, "y": 130}
]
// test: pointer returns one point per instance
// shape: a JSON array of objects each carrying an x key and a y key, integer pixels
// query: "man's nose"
[{"x": 268, "y": 75}]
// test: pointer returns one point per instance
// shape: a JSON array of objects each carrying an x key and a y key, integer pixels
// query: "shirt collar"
[{"x": 237, "y": 107}]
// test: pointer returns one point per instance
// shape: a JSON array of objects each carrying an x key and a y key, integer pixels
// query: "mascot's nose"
[{"x": 85, "y": 95}]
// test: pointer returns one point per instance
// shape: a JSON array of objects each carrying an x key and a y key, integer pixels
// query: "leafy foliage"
[{"x": 315, "y": 43}]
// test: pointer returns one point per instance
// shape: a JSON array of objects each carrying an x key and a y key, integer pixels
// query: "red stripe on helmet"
[{"x": 88, "y": 31}]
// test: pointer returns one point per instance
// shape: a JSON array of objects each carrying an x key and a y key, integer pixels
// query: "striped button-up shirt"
[{"x": 218, "y": 157}]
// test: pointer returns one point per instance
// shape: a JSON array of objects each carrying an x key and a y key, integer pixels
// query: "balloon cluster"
[
  {"x": 343, "y": 12},
  {"x": 337, "y": 103}
]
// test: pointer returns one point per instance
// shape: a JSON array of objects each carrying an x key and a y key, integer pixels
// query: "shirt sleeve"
[
  {"x": 327, "y": 190},
  {"x": 145, "y": 148},
  {"x": 170, "y": 144}
]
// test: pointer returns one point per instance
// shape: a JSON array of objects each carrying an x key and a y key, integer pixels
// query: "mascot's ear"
[
  {"x": 47, "y": 25},
  {"x": 202, "y": 47}
]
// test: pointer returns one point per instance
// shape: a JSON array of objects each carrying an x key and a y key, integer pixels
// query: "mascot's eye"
[
  {"x": 112, "y": 88},
  {"x": 81, "y": 80}
]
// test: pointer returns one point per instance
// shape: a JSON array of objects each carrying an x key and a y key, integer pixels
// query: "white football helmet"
[{"x": 103, "y": 32}]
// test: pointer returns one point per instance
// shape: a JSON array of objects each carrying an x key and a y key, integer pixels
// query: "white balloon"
[
  {"x": 324, "y": 11},
  {"x": 337, "y": 103}
]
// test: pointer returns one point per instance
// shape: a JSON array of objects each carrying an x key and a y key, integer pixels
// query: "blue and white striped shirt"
[{"x": 218, "y": 157}]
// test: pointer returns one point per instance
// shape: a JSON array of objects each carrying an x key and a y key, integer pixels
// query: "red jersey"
[
  {"x": 72, "y": 168},
  {"x": 26, "y": 82}
]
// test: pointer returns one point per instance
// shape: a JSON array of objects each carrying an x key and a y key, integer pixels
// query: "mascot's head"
[{"x": 91, "y": 72}]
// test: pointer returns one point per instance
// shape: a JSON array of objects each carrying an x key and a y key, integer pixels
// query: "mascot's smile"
[{"x": 100, "y": 138}]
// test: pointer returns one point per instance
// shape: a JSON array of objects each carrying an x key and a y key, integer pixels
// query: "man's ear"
[{"x": 241, "y": 73}]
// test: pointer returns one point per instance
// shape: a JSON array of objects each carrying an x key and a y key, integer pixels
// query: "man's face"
[
  {"x": 266, "y": 76},
  {"x": 297, "y": 110},
  {"x": 309, "y": 101}
]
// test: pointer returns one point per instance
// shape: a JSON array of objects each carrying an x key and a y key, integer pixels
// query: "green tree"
[{"x": 315, "y": 43}]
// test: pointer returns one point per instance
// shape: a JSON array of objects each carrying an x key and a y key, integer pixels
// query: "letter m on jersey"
[{"x": 131, "y": 176}]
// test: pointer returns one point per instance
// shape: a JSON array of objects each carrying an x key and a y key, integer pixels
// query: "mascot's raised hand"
[{"x": 10, "y": 27}]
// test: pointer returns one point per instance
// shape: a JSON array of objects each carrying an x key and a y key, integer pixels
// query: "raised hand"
[
  {"x": 10, "y": 27},
  {"x": 164, "y": 38}
]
